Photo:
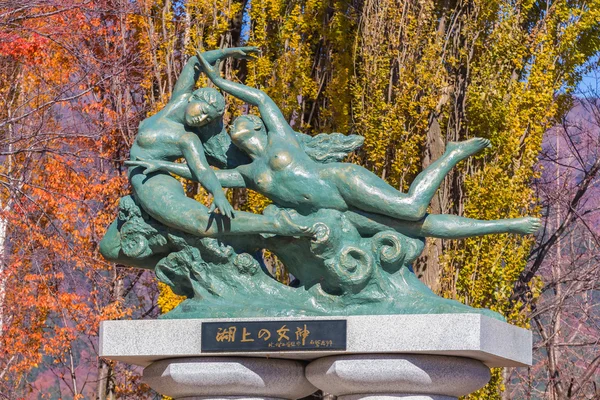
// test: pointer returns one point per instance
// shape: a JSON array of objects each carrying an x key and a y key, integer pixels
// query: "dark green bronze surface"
[{"x": 347, "y": 236}]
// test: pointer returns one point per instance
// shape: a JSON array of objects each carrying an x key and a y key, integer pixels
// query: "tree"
[
  {"x": 69, "y": 112},
  {"x": 564, "y": 265},
  {"x": 410, "y": 76},
  {"x": 407, "y": 75}
]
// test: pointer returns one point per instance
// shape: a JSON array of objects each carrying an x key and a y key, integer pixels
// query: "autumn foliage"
[
  {"x": 77, "y": 76},
  {"x": 64, "y": 117}
]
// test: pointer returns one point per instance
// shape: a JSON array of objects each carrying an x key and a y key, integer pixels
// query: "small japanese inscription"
[{"x": 265, "y": 336}]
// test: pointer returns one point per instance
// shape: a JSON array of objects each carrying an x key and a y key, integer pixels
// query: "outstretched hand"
[
  {"x": 243, "y": 53},
  {"x": 288, "y": 227},
  {"x": 220, "y": 203}
]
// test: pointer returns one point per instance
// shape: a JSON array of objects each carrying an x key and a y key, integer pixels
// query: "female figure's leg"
[
  {"x": 163, "y": 198},
  {"x": 443, "y": 226},
  {"x": 366, "y": 191},
  {"x": 455, "y": 227}
]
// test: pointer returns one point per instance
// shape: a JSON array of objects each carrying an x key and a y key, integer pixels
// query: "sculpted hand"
[
  {"x": 243, "y": 53},
  {"x": 220, "y": 203},
  {"x": 211, "y": 70},
  {"x": 149, "y": 165},
  {"x": 287, "y": 227}
]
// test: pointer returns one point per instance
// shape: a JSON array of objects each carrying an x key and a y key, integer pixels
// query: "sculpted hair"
[
  {"x": 210, "y": 96},
  {"x": 256, "y": 121}
]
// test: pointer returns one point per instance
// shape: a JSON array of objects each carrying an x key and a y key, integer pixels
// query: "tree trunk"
[{"x": 428, "y": 266}]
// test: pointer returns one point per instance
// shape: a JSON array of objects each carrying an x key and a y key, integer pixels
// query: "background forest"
[{"x": 77, "y": 76}]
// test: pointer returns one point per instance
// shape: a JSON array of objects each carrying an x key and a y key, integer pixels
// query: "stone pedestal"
[
  {"x": 396, "y": 376},
  {"x": 387, "y": 357},
  {"x": 228, "y": 377}
]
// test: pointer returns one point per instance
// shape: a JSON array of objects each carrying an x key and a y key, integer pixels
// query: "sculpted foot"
[
  {"x": 525, "y": 226},
  {"x": 467, "y": 148}
]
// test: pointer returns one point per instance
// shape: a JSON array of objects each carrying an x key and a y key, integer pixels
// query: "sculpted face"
[
  {"x": 248, "y": 133},
  {"x": 199, "y": 113},
  {"x": 204, "y": 105}
]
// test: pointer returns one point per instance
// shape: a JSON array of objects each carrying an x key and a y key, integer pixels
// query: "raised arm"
[
  {"x": 191, "y": 71},
  {"x": 271, "y": 115}
]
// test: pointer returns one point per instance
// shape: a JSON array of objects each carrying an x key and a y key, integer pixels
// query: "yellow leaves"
[
  {"x": 512, "y": 100},
  {"x": 210, "y": 21},
  {"x": 292, "y": 37},
  {"x": 396, "y": 87},
  {"x": 167, "y": 300}
]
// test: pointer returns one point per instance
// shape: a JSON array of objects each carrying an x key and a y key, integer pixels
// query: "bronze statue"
[{"x": 345, "y": 234}]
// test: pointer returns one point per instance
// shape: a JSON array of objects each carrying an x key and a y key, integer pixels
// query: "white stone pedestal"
[
  {"x": 228, "y": 377},
  {"x": 397, "y": 376},
  {"x": 387, "y": 357}
]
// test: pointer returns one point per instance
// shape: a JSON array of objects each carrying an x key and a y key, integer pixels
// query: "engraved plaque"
[{"x": 273, "y": 336}]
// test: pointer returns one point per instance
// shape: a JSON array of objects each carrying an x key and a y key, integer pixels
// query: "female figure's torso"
[
  {"x": 289, "y": 177},
  {"x": 158, "y": 137}
]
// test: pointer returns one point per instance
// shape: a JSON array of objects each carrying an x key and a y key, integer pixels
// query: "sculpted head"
[
  {"x": 204, "y": 105},
  {"x": 249, "y": 134}
]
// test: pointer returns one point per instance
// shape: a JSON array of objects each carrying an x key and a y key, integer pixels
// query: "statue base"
[
  {"x": 408, "y": 357},
  {"x": 397, "y": 376},
  {"x": 350, "y": 377},
  {"x": 340, "y": 271},
  {"x": 228, "y": 378}
]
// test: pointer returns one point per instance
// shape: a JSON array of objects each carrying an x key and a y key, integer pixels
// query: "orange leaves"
[
  {"x": 12, "y": 45},
  {"x": 68, "y": 113}
]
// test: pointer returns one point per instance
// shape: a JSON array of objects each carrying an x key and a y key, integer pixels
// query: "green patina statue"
[{"x": 347, "y": 236}]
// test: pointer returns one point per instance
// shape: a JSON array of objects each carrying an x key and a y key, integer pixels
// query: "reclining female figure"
[{"x": 282, "y": 171}]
